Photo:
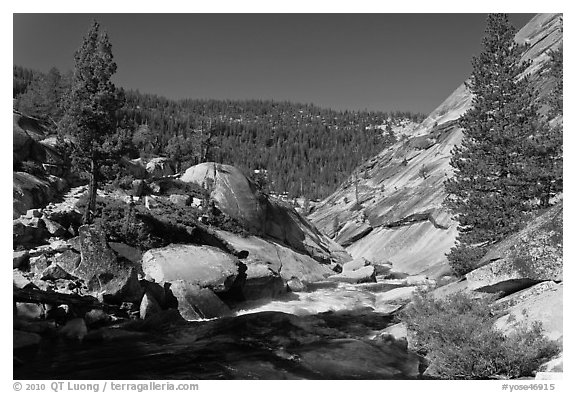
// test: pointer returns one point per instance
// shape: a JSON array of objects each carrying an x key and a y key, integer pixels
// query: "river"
[{"x": 331, "y": 331}]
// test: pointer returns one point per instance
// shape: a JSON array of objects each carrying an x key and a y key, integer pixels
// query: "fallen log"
[{"x": 33, "y": 295}]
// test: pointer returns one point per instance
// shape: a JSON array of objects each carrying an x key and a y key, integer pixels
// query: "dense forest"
[{"x": 300, "y": 149}]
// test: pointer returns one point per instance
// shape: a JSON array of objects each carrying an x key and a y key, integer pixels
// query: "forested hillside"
[{"x": 303, "y": 149}]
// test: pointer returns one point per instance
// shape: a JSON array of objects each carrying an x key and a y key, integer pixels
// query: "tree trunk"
[{"x": 92, "y": 192}]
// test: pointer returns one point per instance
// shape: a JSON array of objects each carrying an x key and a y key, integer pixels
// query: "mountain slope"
[{"x": 399, "y": 216}]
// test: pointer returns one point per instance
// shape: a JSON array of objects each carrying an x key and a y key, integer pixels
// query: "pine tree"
[
  {"x": 496, "y": 180},
  {"x": 42, "y": 97},
  {"x": 90, "y": 110}
]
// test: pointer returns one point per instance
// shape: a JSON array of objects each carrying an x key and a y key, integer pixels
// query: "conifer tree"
[
  {"x": 495, "y": 176},
  {"x": 42, "y": 97},
  {"x": 90, "y": 109}
]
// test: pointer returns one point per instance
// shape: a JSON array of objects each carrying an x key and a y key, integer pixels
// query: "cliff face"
[{"x": 399, "y": 214}]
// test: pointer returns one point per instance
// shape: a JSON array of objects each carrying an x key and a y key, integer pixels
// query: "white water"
[{"x": 335, "y": 297}]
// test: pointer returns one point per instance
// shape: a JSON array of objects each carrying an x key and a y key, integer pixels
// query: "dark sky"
[{"x": 342, "y": 61}]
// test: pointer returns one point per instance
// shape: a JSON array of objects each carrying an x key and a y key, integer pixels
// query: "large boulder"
[
  {"x": 28, "y": 232},
  {"x": 116, "y": 279},
  {"x": 534, "y": 254},
  {"x": 233, "y": 193},
  {"x": 160, "y": 167},
  {"x": 269, "y": 259},
  {"x": 205, "y": 266},
  {"x": 239, "y": 198},
  {"x": 195, "y": 302}
]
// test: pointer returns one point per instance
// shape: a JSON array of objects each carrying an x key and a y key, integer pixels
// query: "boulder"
[
  {"x": 29, "y": 191},
  {"x": 149, "y": 306},
  {"x": 20, "y": 281},
  {"x": 54, "y": 228},
  {"x": 205, "y": 266},
  {"x": 382, "y": 268},
  {"x": 262, "y": 282},
  {"x": 156, "y": 291},
  {"x": 180, "y": 200},
  {"x": 233, "y": 193},
  {"x": 19, "y": 258},
  {"x": 28, "y": 232},
  {"x": 68, "y": 260},
  {"x": 355, "y": 264},
  {"x": 38, "y": 264},
  {"x": 360, "y": 275},
  {"x": 160, "y": 167},
  {"x": 396, "y": 295},
  {"x": 534, "y": 254},
  {"x": 127, "y": 252},
  {"x": 102, "y": 272},
  {"x": 420, "y": 280},
  {"x": 398, "y": 332},
  {"x": 33, "y": 213},
  {"x": 295, "y": 285},
  {"x": 75, "y": 329},
  {"x": 96, "y": 317},
  {"x": 278, "y": 258},
  {"x": 545, "y": 307},
  {"x": 239, "y": 198},
  {"x": 54, "y": 272},
  {"x": 58, "y": 245},
  {"x": 30, "y": 311},
  {"x": 195, "y": 302}
]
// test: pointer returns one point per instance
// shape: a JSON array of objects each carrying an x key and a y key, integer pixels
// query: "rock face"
[
  {"x": 531, "y": 255},
  {"x": 545, "y": 308},
  {"x": 205, "y": 266},
  {"x": 29, "y": 191},
  {"x": 102, "y": 271},
  {"x": 238, "y": 198},
  {"x": 234, "y": 194},
  {"x": 271, "y": 259},
  {"x": 401, "y": 217},
  {"x": 160, "y": 167}
]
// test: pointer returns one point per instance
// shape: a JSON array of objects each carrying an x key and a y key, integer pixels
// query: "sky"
[{"x": 386, "y": 62}]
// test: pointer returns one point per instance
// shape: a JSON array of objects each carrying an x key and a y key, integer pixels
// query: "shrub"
[
  {"x": 33, "y": 168},
  {"x": 458, "y": 337}
]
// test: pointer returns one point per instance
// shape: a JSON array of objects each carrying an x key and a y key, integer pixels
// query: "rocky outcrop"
[
  {"x": 399, "y": 215},
  {"x": 238, "y": 197},
  {"x": 534, "y": 254},
  {"x": 29, "y": 191},
  {"x": 544, "y": 308},
  {"x": 269, "y": 259},
  {"x": 102, "y": 271},
  {"x": 160, "y": 167}
]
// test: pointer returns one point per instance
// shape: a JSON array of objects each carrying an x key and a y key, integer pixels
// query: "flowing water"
[{"x": 330, "y": 331}]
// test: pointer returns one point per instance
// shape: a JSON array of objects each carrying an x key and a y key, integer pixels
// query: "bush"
[
  {"x": 464, "y": 258},
  {"x": 457, "y": 336},
  {"x": 33, "y": 168}
]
